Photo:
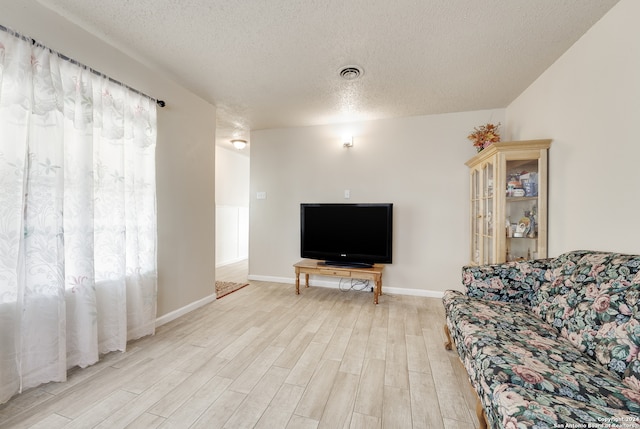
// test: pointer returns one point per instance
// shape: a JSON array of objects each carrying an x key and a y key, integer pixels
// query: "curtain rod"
[{"x": 160, "y": 103}]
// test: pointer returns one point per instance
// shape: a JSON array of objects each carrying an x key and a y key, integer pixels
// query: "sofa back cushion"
[
  {"x": 557, "y": 292},
  {"x": 515, "y": 281},
  {"x": 593, "y": 299}
]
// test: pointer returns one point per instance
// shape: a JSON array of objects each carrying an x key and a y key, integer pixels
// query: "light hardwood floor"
[
  {"x": 237, "y": 272},
  {"x": 263, "y": 357}
]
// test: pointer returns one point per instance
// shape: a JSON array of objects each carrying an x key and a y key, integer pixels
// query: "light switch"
[
  {"x": 261, "y": 195},
  {"x": 347, "y": 194}
]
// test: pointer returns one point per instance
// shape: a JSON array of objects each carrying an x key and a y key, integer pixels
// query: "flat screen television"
[{"x": 347, "y": 234}]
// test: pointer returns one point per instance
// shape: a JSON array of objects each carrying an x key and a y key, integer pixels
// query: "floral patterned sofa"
[{"x": 551, "y": 343}]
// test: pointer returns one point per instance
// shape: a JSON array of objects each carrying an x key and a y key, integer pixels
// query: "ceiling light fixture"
[
  {"x": 351, "y": 72},
  {"x": 239, "y": 144}
]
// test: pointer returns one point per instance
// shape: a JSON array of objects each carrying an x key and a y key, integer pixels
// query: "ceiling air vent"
[{"x": 351, "y": 72}]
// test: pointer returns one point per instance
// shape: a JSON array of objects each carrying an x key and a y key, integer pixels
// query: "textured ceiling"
[{"x": 274, "y": 63}]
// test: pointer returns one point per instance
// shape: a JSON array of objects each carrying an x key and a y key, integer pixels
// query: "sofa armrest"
[{"x": 510, "y": 281}]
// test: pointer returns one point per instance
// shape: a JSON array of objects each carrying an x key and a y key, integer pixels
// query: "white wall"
[
  {"x": 232, "y": 177},
  {"x": 232, "y": 205},
  {"x": 417, "y": 163},
  {"x": 588, "y": 102},
  {"x": 184, "y": 154}
]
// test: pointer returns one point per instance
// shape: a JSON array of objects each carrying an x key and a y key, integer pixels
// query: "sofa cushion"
[
  {"x": 474, "y": 314},
  {"x": 565, "y": 274},
  {"x": 593, "y": 298},
  {"x": 547, "y": 365},
  {"x": 618, "y": 347},
  {"x": 510, "y": 281},
  {"x": 518, "y": 407}
]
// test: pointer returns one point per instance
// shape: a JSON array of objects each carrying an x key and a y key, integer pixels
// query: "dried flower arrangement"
[{"x": 484, "y": 136}]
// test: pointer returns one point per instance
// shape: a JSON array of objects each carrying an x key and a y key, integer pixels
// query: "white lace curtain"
[{"x": 77, "y": 215}]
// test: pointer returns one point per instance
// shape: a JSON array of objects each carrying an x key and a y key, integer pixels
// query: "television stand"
[{"x": 310, "y": 266}]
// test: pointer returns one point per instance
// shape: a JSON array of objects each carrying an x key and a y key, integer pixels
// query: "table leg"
[
  {"x": 297, "y": 283},
  {"x": 306, "y": 280},
  {"x": 377, "y": 290}
]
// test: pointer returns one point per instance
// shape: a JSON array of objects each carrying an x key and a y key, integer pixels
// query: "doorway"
[{"x": 232, "y": 214}]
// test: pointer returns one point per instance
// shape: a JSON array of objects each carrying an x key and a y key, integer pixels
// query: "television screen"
[{"x": 347, "y": 234}]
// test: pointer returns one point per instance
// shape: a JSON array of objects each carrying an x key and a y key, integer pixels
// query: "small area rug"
[{"x": 225, "y": 288}]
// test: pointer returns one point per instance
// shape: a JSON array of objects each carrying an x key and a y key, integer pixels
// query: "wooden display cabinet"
[{"x": 509, "y": 182}]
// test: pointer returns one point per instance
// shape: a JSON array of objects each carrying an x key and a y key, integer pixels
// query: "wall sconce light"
[
  {"x": 239, "y": 144},
  {"x": 347, "y": 141}
]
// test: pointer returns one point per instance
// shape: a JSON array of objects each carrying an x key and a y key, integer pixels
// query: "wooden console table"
[{"x": 309, "y": 266}]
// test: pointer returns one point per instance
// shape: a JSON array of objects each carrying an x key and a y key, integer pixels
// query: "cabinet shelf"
[{"x": 491, "y": 172}]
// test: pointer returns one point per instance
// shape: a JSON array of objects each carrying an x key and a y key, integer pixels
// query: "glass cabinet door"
[
  {"x": 483, "y": 238},
  {"x": 522, "y": 204},
  {"x": 488, "y": 236},
  {"x": 476, "y": 217}
]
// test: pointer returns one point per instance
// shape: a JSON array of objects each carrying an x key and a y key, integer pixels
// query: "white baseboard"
[
  {"x": 184, "y": 310},
  {"x": 335, "y": 283},
  {"x": 414, "y": 292},
  {"x": 271, "y": 279},
  {"x": 230, "y": 261}
]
